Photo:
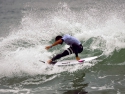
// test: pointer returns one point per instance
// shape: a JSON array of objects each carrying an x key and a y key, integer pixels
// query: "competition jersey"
[{"x": 69, "y": 40}]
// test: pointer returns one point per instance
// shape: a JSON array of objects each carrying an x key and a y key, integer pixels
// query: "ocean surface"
[{"x": 28, "y": 26}]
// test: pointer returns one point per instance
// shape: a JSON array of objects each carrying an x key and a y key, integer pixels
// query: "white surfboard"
[{"x": 73, "y": 62}]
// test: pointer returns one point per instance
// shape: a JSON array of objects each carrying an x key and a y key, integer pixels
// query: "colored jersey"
[{"x": 70, "y": 40}]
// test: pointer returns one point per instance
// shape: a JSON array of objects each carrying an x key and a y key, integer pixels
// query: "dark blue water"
[{"x": 27, "y": 26}]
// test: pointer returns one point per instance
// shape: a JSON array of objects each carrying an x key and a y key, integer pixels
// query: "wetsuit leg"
[
  {"x": 58, "y": 56},
  {"x": 77, "y": 49}
]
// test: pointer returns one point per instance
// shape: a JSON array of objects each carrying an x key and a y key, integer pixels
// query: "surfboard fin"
[
  {"x": 42, "y": 61},
  {"x": 53, "y": 62}
]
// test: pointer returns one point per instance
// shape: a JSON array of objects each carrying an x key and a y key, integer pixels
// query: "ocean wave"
[{"x": 21, "y": 50}]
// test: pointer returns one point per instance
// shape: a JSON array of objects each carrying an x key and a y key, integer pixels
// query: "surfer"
[{"x": 75, "y": 47}]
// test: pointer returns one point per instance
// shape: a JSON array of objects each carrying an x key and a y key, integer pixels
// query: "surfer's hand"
[
  {"x": 77, "y": 58},
  {"x": 48, "y": 47}
]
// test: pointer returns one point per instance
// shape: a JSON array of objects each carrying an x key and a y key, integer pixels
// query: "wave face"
[{"x": 99, "y": 25}]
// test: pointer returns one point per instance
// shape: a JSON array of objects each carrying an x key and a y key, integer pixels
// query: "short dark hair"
[{"x": 58, "y": 37}]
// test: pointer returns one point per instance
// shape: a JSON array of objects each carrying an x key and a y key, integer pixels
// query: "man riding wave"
[{"x": 75, "y": 47}]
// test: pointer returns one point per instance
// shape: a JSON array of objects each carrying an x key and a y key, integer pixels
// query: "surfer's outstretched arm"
[{"x": 54, "y": 44}]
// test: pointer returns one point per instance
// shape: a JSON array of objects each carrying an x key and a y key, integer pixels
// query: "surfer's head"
[{"x": 58, "y": 38}]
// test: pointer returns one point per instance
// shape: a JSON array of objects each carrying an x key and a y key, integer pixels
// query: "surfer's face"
[{"x": 61, "y": 42}]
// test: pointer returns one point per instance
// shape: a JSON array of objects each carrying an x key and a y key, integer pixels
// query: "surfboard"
[{"x": 73, "y": 62}]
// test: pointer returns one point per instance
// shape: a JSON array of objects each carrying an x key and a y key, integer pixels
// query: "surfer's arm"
[
  {"x": 57, "y": 42},
  {"x": 54, "y": 44}
]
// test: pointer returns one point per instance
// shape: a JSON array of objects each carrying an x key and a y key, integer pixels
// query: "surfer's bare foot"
[
  {"x": 77, "y": 58},
  {"x": 49, "y": 61}
]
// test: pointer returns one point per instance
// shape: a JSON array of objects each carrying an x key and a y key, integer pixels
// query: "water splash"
[{"x": 21, "y": 50}]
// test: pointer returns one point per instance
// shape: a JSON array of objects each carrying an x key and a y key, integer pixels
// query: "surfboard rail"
[{"x": 73, "y": 62}]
